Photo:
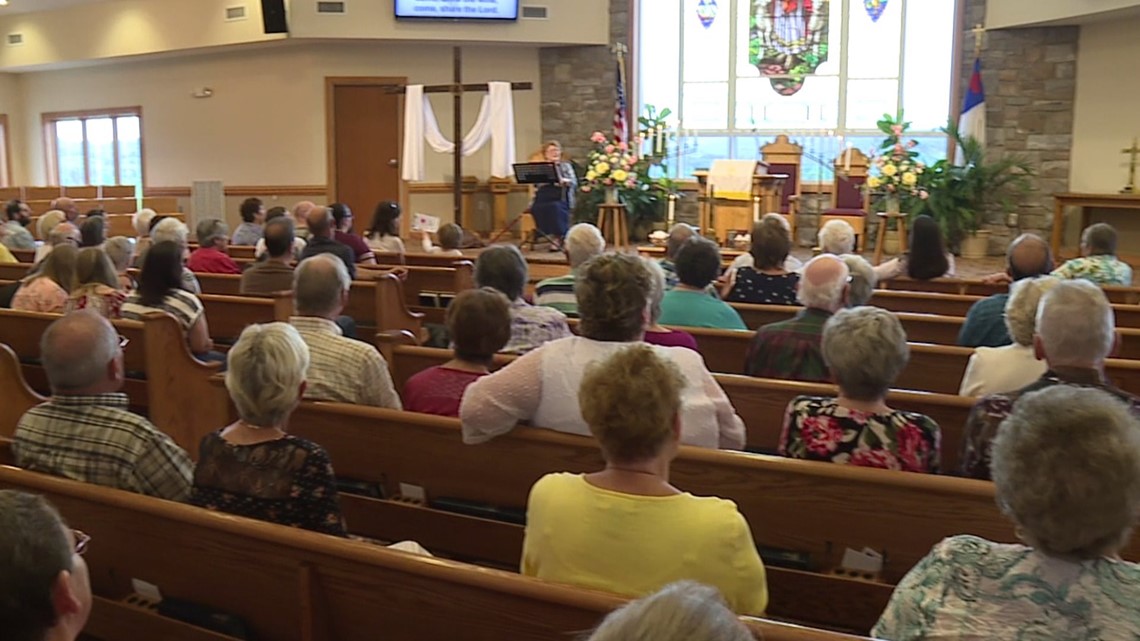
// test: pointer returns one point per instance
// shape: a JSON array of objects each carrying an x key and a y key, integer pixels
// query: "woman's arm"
[
  {"x": 494, "y": 404},
  {"x": 199, "y": 336}
]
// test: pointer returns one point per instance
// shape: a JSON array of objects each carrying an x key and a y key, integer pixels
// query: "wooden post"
[
  {"x": 500, "y": 191},
  {"x": 457, "y": 160}
]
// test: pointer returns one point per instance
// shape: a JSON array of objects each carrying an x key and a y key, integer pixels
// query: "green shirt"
[{"x": 698, "y": 309}]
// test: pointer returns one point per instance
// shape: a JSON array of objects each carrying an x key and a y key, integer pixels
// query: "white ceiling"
[{"x": 28, "y": 6}]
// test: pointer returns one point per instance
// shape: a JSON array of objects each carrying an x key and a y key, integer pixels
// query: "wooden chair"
[
  {"x": 849, "y": 202},
  {"x": 786, "y": 157}
]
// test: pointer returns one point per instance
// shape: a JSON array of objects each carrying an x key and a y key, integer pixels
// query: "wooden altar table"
[
  {"x": 722, "y": 215},
  {"x": 1084, "y": 202}
]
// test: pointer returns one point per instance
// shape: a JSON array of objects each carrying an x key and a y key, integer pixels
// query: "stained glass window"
[{"x": 737, "y": 72}]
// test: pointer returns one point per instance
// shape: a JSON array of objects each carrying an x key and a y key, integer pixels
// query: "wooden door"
[{"x": 364, "y": 136}]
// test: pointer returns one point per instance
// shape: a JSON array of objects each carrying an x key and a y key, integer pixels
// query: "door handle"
[{"x": 392, "y": 162}]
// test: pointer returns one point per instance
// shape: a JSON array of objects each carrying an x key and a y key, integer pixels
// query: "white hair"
[
  {"x": 837, "y": 237},
  {"x": 583, "y": 242},
  {"x": 865, "y": 349},
  {"x": 76, "y": 349},
  {"x": 120, "y": 249},
  {"x": 210, "y": 230},
  {"x": 170, "y": 229},
  {"x": 265, "y": 369},
  {"x": 779, "y": 217},
  {"x": 141, "y": 221},
  {"x": 656, "y": 288},
  {"x": 1021, "y": 307},
  {"x": 318, "y": 283},
  {"x": 863, "y": 279},
  {"x": 48, "y": 221},
  {"x": 827, "y": 294},
  {"x": 681, "y": 611},
  {"x": 1076, "y": 325}
]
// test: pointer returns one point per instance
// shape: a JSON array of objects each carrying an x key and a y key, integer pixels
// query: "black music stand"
[{"x": 531, "y": 173}]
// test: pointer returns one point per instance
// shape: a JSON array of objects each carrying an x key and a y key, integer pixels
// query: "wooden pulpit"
[{"x": 724, "y": 216}]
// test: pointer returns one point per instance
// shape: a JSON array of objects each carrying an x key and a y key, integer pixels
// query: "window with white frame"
[
  {"x": 735, "y": 73},
  {"x": 95, "y": 147}
]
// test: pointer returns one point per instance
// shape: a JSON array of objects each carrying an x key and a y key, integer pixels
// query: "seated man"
[
  {"x": 84, "y": 432},
  {"x": 252, "y": 218},
  {"x": 1098, "y": 262},
  {"x": 68, "y": 206},
  {"x": 321, "y": 239},
  {"x": 14, "y": 233},
  {"x": 211, "y": 256},
  {"x": 274, "y": 273},
  {"x": 678, "y": 236},
  {"x": 45, "y": 594},
  {"x": 1028, "y": 256},
  {"x": 689, "y": 304},
  {"x": 58, "y": 234},
  {"x": 341, "y": 369},
  {"x": 791, "y": 349},
  {"x": 583, "y": 242},
  {"x": 1076, "y": 332}
]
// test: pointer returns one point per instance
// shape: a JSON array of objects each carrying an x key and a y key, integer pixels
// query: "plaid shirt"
[
  {"x": 532, "y": 326},
  {"x": 96, "y": 440},
  {"x": 342, "y": 369},
  {"x": 790, "y": 349},
  {"x": 988, "y": 413}
]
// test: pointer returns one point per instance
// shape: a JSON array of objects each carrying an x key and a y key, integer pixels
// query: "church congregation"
[{"x": 724, "y": 359}]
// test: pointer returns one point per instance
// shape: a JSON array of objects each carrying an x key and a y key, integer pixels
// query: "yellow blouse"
[{"x": 634, "y": 545}]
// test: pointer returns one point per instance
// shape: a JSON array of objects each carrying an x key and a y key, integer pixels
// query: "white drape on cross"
[{"x": 495, "y": 123}]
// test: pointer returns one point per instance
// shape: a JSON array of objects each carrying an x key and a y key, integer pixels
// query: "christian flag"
[
  {"x": 621, "y": 122},
  {"x": 972, "y": 122}
]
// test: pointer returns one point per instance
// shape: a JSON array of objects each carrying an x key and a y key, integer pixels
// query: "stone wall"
[{"x": 1029, "y": 74}]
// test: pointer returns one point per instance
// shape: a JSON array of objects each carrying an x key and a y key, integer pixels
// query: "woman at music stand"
[{"x": 553, "y": 202}]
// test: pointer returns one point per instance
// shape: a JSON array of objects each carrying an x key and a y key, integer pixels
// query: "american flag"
[{"x": 621, "y": 123}]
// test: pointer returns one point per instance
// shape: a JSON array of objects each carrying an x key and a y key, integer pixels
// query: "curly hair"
[
  {"x": 613, "y": 295},
  {"x": 630, "y": 401},
  {"x": 865, "y": 349}
]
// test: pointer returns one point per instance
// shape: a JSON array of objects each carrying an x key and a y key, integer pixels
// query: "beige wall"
[{"x": 1017, "y": 13}]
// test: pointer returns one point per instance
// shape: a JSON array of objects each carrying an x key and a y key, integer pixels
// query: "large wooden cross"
[{"x": 457, "y": 89}]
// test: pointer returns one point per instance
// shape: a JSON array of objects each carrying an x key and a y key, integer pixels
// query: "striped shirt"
[
  {"x": 95, "y": 439},
  {"x": 179, "y": 303},
  {"x": 343, "y": 369},
  {"x": 557, "y": 292}
]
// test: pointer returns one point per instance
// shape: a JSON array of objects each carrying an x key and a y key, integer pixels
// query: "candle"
[
  {"x": 672, "y": 210},
  {"x": 755, "y": 209},
  {"x": 847, "y": 158}
]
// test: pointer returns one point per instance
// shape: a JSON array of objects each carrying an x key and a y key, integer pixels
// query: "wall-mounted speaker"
[{"x": 273, "y": 16}]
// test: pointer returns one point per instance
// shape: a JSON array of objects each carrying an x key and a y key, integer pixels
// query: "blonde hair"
[
  {"x": 94, "y": 267},
  {"x": 681, "y": 611},
  {"x": 1021, "y": 307},
  {"x": 265, "y": 370},
  {"x": 59, "y": 266},
  {"x": 48, "y": 221},
  {"x": 630, "y": 401}
]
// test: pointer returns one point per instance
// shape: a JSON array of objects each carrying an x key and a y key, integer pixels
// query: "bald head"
[
  {"x": 1028, "y": 256},
  {"x": 80, "y": 354},
  {"x": 320, "y": 286},
  {"x": 677, "y": 237},
  {"x": 67, "y": 206},
  {"x": 64, "y": 233},
  {"x": 320, "y": 222},
  {"x": 301, "y": 210},
  {"x": 823, "y": 283}
]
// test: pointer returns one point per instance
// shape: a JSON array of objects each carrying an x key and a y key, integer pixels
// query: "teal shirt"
[{"x": 698, "y": 309}]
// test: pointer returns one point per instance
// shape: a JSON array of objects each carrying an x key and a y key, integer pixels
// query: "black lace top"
[{"x": 288, "y": 481}]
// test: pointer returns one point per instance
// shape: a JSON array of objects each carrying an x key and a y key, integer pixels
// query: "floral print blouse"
[
  {"x": 971, "y": 589},
  {"x": 819, "y": 429},
  {"x": 106, "y": 301}
]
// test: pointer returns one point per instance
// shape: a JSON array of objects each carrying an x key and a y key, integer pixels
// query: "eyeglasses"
[
  {"x": 81, "y": 541},
  {"x": 123, "y": 341}
]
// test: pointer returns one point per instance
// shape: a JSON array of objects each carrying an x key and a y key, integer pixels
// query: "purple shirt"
[
  {"x": 360, "y": 248},
  {"x": 674, "y": 338}
]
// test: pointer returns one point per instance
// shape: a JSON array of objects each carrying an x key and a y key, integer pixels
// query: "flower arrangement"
[
  {"x": 897, "y": 168},
  {"x": 612, "y": 164}
]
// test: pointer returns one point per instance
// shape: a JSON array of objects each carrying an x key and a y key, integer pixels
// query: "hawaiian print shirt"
[
  {"x": 988, "y": 413},
  {"x": 971, "y": 589},
  {"x": 1104, "y": 269},
  {"x": 819, "y": 429}
]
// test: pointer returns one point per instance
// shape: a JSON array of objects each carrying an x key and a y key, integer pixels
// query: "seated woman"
[
  {"x": 865, "y": 349},
  {"x": 766, "y": 282},
  {"x": 625, "y": 529},
  {"x": 791, "y": 263},
  {"x": 121, "y": 251},
  {"x": 160, "y": 290},
  {"x": 97, "y": 284},
  {"x": 479, "y": 322},
  {"x": 252, "y": 468},
  {"x": 542, "y": 387},
  {"x": 503, "y": 267},
  {"x": 655, "y": 334},
  {"x": 690, "y": 304},
  {"x": 47, "y": 287},
  {"x": 1098, "y": 262},
  {"x": 836, "y": 237},
  {"x": 681, "y": 611},
  {"x": 384, "y": 234},
  {"x": 926, "y": 257},
  {"x": 1066, "y": 471},
  {"x": 996, "y": 370}
]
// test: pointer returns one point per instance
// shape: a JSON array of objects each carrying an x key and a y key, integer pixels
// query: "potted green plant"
[{"x": 961, "y": 193}]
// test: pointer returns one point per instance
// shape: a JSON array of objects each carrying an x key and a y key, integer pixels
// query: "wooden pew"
[
  {"x": 443, "y": 282},
  {"x": 1119, "y": 294},
  {"x": 227, "y": 316},
  {"x": 163, "y": 378},
  {"x": 292, "y": 585}
]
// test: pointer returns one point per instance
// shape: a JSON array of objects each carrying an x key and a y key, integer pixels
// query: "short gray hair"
[
  {"x": 264, "y": 372},
  {"x": 1099, "y": 239},
  {"x": 1066, "y": 468},
  {"x": 681, "y": 611},
  {"x": 678, "y": 236},
  {"x": 170, "y": 229},
  {"x": 76, "y": 349},
  {"x": 141, "y": 221},
  {"x": 583, "y": 242},
  {"x": 827, "y": 294},
  {"x": 865, "y": 349},
  {"x": 863, "y": 279},
  {"x": 210, "y": 230},
  {"x": 1021, "y": 307},
  {"x": 120, "y": 249},
  {"x": 837, "y": 237},
  {"x": 656, "y": 289},
  {"x": 1076, "y": 324},
  {"x": 318, "y": 283}
]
